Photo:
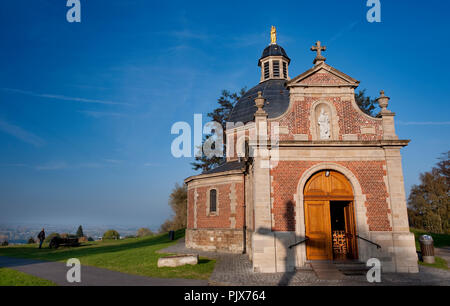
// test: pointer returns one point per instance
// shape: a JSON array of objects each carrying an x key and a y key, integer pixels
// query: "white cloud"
[
  {"x": 21, "y": 134},
  {"x": 152, "y": 165},
  {"x": 53, "y": 166},
  {"x": 61, "y": 97},
  {"x": 95, "y": 114},
  {"x": 62, "y": 165},
  {"x": 113, "y": 161}
]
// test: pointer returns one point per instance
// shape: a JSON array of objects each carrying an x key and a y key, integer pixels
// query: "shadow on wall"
[{"x": 287, "y": 275}]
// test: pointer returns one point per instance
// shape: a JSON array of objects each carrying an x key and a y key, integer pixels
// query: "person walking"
[{"x": 41, "y": 237}]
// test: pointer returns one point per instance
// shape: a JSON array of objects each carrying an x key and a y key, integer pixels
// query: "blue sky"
[{"x": 86, "y": 108}]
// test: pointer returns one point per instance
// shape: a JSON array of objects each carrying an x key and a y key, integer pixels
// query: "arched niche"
[{"x": 320, "y": 110}]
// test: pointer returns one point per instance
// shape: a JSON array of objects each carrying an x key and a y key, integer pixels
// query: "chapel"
[{"x": 308, "y": 175}]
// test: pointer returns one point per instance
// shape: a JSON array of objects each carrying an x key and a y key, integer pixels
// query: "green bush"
[
  {"x": 5, "y": 243},
  {"x": 143, "y": 231},
  {"x": 111, "y": 234},
  {"x": 90, "y": 239},
  {"x": 31, "y": 240}
]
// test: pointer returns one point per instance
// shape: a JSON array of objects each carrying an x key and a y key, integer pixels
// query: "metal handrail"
[
  {"x": 367, "y": 240},
  {"x": 300, "y": 242}
]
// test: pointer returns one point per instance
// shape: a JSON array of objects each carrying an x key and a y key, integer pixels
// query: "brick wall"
[
  {"x": 217, "y": 232},
  {"x": 225, "y": 212},
  {"x": 370, "y": 175},
  {"x": 351, "y": 121}
]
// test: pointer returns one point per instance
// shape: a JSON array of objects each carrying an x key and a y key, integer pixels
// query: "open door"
[
  {"x": 350, "y": 230},
  {"x": 318, "y": 230},
  {"x": 328, "y": 204}
]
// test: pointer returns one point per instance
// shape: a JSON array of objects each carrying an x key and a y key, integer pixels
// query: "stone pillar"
[
  {"x": 403, "y": 244},
  {"x": 263, "y": 239}
]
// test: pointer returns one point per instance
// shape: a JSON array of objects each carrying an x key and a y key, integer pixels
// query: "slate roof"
[
  {"x": 234, "y": 165},
  {"x": 273, "y": 50},
  {"x": 277, "y": 101}
]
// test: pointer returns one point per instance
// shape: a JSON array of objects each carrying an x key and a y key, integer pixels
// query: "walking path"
[
  {"x": 236, "y": 270},
  {"x": 90, "y": 276},
  {"x": 443, "y": 253}
]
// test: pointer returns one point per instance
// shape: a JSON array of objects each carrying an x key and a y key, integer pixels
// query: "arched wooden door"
[{"x": 326, "y": 195}]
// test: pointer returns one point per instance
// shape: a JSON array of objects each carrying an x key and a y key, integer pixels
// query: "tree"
[
  {"x": 80, "y": 232},
  {"x": 143, "y": 231},
  {"x": 111, "y": 234},
  {"x": 429, "y": 201},
  {"x": 444, "y": 166},
  {"x": 166, "y": 226},
  {"x": 221, "y": 115},
  {"x": 178, "y": 203},
  {"x": 31, "y": 240},
  {"x": 365, "y": 103}
]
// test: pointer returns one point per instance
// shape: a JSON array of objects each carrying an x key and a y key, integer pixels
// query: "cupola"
[{"x": 274, "y": 61}]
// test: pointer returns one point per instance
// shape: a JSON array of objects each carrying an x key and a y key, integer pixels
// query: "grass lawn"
[
  {"x": 439, "y": 263},
  {"x": 10, "y": 277},
  {"x": 133, "y": 256}
]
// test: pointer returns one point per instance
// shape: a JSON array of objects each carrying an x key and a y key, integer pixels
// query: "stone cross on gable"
[{"x": 319, "y": 48}]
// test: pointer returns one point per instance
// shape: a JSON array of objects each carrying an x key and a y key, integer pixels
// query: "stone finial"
[
  {"x": 319, "y": 57},
  {"x": 259, "y": 102},
  {"x": 383, "y": 101}
]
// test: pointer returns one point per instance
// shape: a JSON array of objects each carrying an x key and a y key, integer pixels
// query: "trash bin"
[
  {"x": 171, "y": 235},
  {"x": 427, "y": 248}
]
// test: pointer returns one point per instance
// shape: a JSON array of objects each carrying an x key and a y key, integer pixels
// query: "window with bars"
[
  {"x": 276, "y": 69},
  {"x": 266, "y": 70},
  {"x": 213, "y": 200},
  {"x": 285, "y": 70}
]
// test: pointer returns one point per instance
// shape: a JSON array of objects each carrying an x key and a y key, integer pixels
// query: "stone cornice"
[
  {"x": 344, "y": 143},
  {"x": 212, "y": 175}
]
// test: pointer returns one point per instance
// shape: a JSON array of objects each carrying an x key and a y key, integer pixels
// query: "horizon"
[{"x": 86, "y": 109}]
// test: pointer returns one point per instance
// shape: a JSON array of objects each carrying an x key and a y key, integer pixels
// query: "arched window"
[{"x": 213, "y": 200}]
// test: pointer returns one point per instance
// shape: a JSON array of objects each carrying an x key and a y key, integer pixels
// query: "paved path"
[
  {"x": 443, "y": 253},
  {"x": 236, "y": 270},
  {"x": 90, "y": 276}
]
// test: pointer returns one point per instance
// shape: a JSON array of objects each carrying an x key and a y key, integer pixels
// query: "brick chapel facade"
[{"x": 330, "y": 188}]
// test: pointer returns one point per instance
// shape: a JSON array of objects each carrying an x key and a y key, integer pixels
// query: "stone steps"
[
  {"x": 352, "y": 268},
  {"x": 326, "y": 270}
]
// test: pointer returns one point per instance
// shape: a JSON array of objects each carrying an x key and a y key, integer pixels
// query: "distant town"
[{"x": 20, "y": 233}]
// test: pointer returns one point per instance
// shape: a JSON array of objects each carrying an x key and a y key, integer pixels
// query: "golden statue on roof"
[{"x": 273, "y": 35}]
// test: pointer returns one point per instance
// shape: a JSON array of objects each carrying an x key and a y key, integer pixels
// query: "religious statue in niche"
[{"x": 324, "y": 125}]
